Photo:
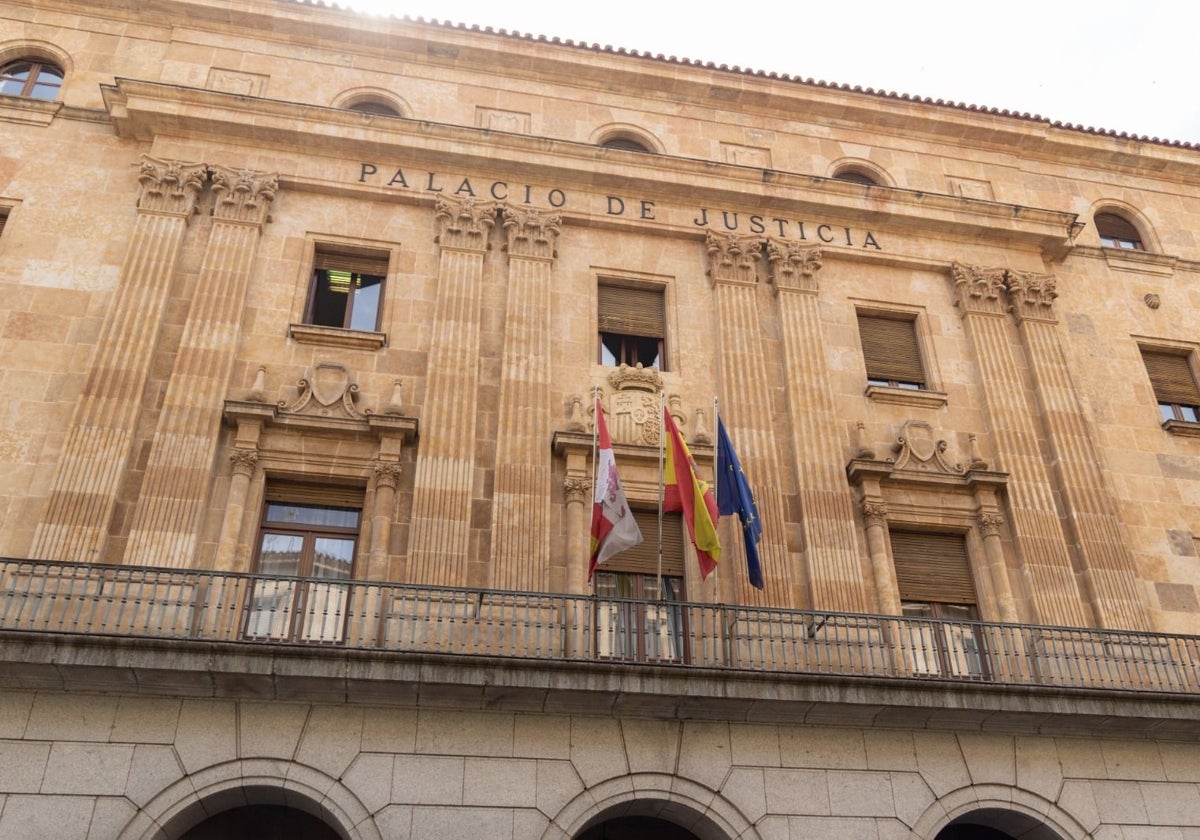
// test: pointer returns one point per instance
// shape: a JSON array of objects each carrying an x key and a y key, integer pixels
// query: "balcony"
[{"x": 91, "y": 627}]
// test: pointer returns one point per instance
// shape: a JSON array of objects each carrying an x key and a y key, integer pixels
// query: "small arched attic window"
[
  {"x": 629, "y": 144},
  {"x": 374, "y": 106},
  {"x": 32, "y": 78},
  {"x": 1115, "y": 231},
  {"x": 854, "y": 175}
]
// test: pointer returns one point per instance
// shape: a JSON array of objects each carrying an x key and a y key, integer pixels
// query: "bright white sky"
[{"x": 1115, "y": 64}]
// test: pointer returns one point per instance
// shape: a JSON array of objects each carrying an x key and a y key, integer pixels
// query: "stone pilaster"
[
  {"x": 520, "y": 526},
  {"x": 826, "y": 502},
  {"x": 746, "y": 409},
  {"x": 1041, "y": 544},
  {"x": 175, "y": 488},
  {"x": 97, "y": 447},
  {"x": 1109, "y": 573},
  {"x": 444, "y": 478}
]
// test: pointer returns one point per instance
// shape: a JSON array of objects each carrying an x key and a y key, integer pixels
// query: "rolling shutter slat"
[{"x": 932, "y": 568}]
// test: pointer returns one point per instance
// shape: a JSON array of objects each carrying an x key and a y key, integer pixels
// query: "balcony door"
[
  {"x": 638, "y": 615},
  {"x": 306, "y": 547}
]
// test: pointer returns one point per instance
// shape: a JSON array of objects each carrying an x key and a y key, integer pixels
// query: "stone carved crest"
[
  {"x": 326, "y": 392},
  {"x": 634, "y": 405},
  {"x": 919, "y": 448}
]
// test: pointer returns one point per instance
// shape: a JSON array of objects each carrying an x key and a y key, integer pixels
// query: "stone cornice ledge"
[{"x": 42, "y": 662}]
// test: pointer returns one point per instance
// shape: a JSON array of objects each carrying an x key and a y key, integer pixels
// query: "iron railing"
[{"x": 157, "y": 603}]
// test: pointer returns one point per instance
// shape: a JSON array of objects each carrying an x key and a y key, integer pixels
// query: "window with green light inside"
[{"x": 347, "y": 289}]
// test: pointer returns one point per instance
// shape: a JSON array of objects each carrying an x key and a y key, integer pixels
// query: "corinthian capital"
[
  {"x": 875, "y": 513},
  {"x": 978, "y": 289},
  {"x": 169, "y": 186},
  {"x": 989, "y": 524},
  {"x": 791, "y": 266},
  {"x": 1032, "y": 295},
  {"x": 531, "y": 233},
  {"x": 577, "y": 489},
  {"x": 731, "y": 258},
  {"x": 387, "y": 474},
  {"x": 465, "y": 223},
  {"x": 242, "y": 195},
  {"x": 244, "y": 461}
]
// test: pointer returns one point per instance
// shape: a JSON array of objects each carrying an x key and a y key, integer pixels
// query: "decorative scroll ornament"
[
  {"x": 1032, "y": 295},
  {"x": 531, "y": 234},
  {"x": 465, "y": 223},
  {"x": 243, "y": 196},
  {"x": 326, "y": 392},
  {"x": 792, "y": 267},
  {"x": 731, "y": 259},
  {"x": 387, "y": 474},
  {"x": 244, "y": 461},
  {"x": 577, "y": 489},
  {"x": 919, "y": 449},
  {"x": 979, "y": 289},
  {"x": 169, "y": 186}
]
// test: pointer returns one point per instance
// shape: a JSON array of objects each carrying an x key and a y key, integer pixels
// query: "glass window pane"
[
  {"x": 1166, "y": 411},
  {"x": 280, "y": 554},
  {"x": 365, "y": 314},
  {"x": 1189, "y": 413},
  {"x": 323, "y": 517},
  {"x": 332, "y": 557}
]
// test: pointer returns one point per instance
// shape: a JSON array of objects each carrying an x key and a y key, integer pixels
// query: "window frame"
[
  {"x": 1117, "y": 231},
  {"x": 640, "y": 326},
  {"x": 1171, "y": 372},
  {"x": 325, "y": 253},
  {"x": 38, "y": 69}
]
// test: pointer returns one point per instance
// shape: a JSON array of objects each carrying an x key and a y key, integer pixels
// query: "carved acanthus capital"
[
  {"x": 465, "y": 223},
  {"x": 978, "y": 289},
  {"x": 244, "y": 461},
  {"x": 387, "y": 474},
  {"x": 792, "y": 267},
  {"x": 577, "y": 489},
  {"x": 990, "y": 524},
  {"x": 731, "y": 259},
  {"x": 531, "y": 234},
  {"x": 242, "y": 195},
  {"x": 169, "y": 186},
  {"x": 1032, "y": 295},
  {"x": 875, "y": 513}
]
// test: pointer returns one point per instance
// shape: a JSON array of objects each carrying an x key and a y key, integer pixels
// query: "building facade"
[{"x": 306, "y": 317}]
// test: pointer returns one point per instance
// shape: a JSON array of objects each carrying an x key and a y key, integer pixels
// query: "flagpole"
[
  {"x": 662, "y": 488},
  {"x": 595, "y": 459}
]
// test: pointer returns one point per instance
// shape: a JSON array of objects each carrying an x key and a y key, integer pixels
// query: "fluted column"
[
  {"x": 989, "y": 529},
  {"x": 520, "y": 500},
  {"x": 1109, "y": 572},
  {"x": 746, "y": 409},
  {"x": 387, "y": 478},
  {"x": 244, "y": 462},
  {"x": 826, "y": 502},
  {"x": 578, "y": 492},
  {"x": 178, "y": 472},
  {"x": 887, "y": 596},
  {"x": 1040, "y": 542},
  {"x": 83, "y": 491},
  {"x": 444, "y": 479}
]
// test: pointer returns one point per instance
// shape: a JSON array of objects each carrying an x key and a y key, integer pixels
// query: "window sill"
[
  {"x": 21, "y": 109},
  {"x": 1141, "y": 262},
  {"x": 337, "y": 337},
  {"x": 904, "y": 396},
  {"x": 1183, "y": 428}
]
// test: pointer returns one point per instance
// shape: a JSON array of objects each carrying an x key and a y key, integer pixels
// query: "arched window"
[
  {"x": 855, "y": 176},
  {"x": 626, "y": 143},
  {"x": 373, "y": 106},
  {"x": 32, "y": 78},
  {"x": 1118, "y": 232}
]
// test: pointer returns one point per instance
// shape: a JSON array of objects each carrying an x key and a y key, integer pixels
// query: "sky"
[{"x": 1115, "y": 64}]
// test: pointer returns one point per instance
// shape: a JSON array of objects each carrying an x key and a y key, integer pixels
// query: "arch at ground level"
[
  {"x": 997, "y": 812},
  {"x": 248, "y": 790},
  {"x": 629, "y": 806}
]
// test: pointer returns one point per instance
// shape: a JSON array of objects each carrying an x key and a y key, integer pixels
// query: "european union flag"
[{"x": 734, "y": 496}]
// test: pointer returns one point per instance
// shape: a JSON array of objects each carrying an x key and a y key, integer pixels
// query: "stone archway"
[
  {"x": 996, "y": 824},
  {"x": 263, "y": 822},
  {"x": 996, "y": 812}
]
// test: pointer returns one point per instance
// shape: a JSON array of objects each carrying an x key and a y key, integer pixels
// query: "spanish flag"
[{"x": 684, "y": 491}]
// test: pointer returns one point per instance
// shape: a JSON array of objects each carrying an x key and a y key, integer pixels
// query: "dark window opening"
[
  {"x": 1117, "y": 232},
  {"x": 374, "y": 106},
  {"x": 347, "y": 291},
  {"x": 626, "y": 143},
  {"x": 631, "y": 325},
  {"x": 856, "y": 176}
]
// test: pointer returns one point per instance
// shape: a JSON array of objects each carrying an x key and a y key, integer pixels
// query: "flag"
[
  {"x": 613, "y": 526},
  {"x": 684, "y": 491},
  {"x": 734, "y": 497}
]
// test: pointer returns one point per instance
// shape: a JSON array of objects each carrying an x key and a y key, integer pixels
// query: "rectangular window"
[
  {"x": 307, "y": 543},
  {"x": 347, "y": 288},
  {"x": 631, "y": 321},
  {"x": 937, "y": 591},
  {"x": 891, "y": 351},
  {"x": 1174, "y": 384},
  {"x": 636, "y": 618}
]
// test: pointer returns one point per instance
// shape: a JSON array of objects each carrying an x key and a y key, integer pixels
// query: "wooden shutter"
[
  {"x": 3, "y": 219},
  {"x": 626, "y": 310},
  {"x": 1171, "y": 377},
  {"x": 1112, "y": 226},
  {"x": 890, "y": 349},
  {"x": 374, "y": 265},
  {"x": 932, "y": 567},
  {"x": 643, "y": 558},
  {"x": 326, "y": 495}
]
